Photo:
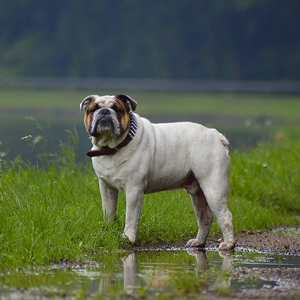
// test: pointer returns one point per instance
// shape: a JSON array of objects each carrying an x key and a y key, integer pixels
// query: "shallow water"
[{"x": 145, "y": 272}]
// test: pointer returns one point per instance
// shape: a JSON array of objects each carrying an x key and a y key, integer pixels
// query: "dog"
[{"x": 138, "y": 157}]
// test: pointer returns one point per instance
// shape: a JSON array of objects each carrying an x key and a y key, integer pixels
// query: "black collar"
[{"x": 110, "y": 151}]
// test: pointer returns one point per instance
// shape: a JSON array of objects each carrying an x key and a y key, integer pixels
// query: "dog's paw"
[
  {"x": 226, "y": 246},
  {"x": 195, "y": 243},
  {"x": 128, "y": 237},
  {"x": 124, "y": 242}
]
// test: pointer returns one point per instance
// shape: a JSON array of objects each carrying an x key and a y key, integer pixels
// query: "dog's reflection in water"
[
  {"x": 130, "y": 273},
  {"x": 158, "y": 278},
  {"x": 202, "y": 265}
]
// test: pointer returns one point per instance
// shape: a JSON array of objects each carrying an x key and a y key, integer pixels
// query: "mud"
[
  {"x": 284, "y": 241},
  {"x": 281, "y": 241}
]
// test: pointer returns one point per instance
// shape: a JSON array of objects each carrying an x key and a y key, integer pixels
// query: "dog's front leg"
[
  {"x": 109, "y": 197},
  {"x": 134, "y": 201}
]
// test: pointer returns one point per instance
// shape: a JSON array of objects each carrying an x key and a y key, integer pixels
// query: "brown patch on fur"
[
  {"x": 123, "y": 117},
  {"x": 88, "y": 117},
  {"x": 88, "y": 120}
]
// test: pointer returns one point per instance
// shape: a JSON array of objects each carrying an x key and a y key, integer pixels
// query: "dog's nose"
[{"x": 105, "y": 111}]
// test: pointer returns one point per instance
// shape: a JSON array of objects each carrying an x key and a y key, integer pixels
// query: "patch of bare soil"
[{"x": 285, "y": 241}]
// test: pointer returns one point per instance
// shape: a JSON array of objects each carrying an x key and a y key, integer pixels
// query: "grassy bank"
[
  {"x": 54, "y": 214},
  {"x": 61, "y": 101}
]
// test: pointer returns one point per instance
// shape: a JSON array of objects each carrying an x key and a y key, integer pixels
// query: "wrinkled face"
[{"x": 107, "y": 115}]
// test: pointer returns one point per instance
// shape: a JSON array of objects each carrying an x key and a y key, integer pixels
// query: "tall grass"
[{"x": 54, "y": 213}]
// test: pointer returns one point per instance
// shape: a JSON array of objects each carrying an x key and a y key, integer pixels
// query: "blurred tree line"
[{"x": 203, "y": 39}]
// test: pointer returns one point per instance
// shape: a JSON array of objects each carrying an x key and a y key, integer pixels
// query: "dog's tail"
[{"x": 224, "y": 142}]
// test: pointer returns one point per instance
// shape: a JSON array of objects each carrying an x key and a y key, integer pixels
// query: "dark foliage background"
[{"x": 175, "y": 39}]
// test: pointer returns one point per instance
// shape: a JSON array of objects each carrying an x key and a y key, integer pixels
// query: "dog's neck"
[{"x": 110, "y": 151}]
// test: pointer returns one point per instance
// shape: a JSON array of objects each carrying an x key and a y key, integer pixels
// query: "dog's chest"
[{"x": 108, "y": 170}]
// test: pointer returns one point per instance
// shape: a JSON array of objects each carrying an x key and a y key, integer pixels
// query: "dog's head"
[{"x": 107, "y": 117}]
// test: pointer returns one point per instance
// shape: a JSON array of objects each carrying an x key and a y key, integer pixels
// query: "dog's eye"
[
  {"x": 117, "y": 109},
  {"x": 92, "y": 110}
]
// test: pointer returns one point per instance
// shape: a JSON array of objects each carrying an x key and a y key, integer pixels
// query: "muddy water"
[{"x": 150, "y": 273}]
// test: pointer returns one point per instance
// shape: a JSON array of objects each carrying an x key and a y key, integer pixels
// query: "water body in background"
[{"x": 36, "y": 134}]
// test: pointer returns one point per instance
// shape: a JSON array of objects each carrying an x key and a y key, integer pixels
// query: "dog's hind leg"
[
  {"x": 203, "y": 215},
  {"x": 216, "y": 193}
]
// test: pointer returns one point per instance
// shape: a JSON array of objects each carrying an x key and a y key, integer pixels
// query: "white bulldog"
[{"x": 135, "y": 156}]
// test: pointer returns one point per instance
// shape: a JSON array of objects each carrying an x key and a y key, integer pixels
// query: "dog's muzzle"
[{"x": 102, "y": 120}]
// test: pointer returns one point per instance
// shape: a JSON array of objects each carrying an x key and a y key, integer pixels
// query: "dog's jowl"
[{"x": 133, "y": 155}]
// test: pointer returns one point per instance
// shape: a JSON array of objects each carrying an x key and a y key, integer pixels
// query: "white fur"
[{"x": 170, "y": 156}]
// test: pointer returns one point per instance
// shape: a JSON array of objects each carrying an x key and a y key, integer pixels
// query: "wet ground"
[{"x": 265, "y": 265}]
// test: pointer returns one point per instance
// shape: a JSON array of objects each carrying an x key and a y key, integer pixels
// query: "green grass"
[
  {"x": 150, "y": 102},
  {"x": 265, "y": 185},
  {"x": 54, "y": 213}
]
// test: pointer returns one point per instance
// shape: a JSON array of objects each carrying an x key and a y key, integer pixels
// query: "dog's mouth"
[
  {"x": 100, "y": 125},
  {"x": 105, "y": 124}
]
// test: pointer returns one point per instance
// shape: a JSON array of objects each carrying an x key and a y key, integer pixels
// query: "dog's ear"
[
  {"x": 87, "y": 101},
  {"x": 128, "y": 101}
]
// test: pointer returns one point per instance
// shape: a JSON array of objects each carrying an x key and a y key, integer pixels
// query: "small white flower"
[{"x": 27, "y": 137}]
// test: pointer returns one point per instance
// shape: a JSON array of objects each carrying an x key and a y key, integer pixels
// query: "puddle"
[{"x": 149, "y": 272}]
